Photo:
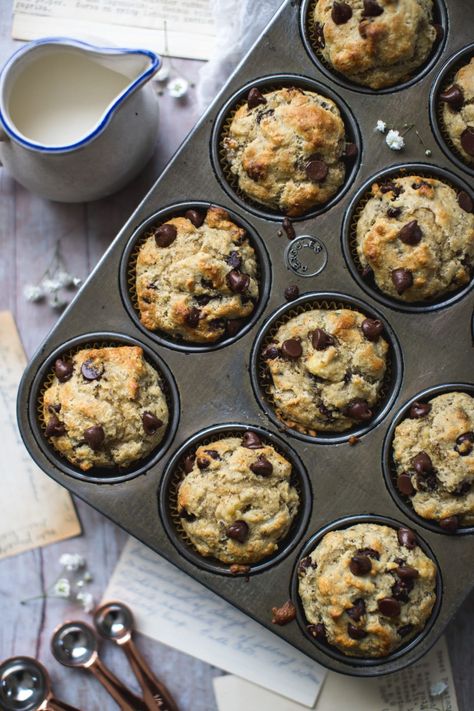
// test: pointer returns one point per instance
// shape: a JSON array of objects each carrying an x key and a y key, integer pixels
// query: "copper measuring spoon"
[
  {"x": 25, "y": 686},
  {"x": 74, "y": 644},
  {"x": 114, "y": 621}
]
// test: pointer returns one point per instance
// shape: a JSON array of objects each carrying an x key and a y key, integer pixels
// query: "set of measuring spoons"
[{"x": 25, "y": 684}]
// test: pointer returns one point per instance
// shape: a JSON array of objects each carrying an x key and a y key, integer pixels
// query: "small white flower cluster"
[
  {"x": 393, "y": 139},
  {"x": 54, "y": 280},
  {"x": 70, "y": 585},
  {"x": 177, "y": 86}
]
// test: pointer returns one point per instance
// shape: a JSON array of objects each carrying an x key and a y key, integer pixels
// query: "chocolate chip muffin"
[
  {"x": 236, "y": 501},
  {"x": 375, "y": 43},
  {"x": 105, "y": 407},
  {"x": 367, "y": 589},
  {"x": 415, "y": 238},
  {"x": 196, "y": 277},
  {"x": 286, "y": 149},
  {"x": 458, "y": 111},
  {"x": 326, "y": 369},
  {"x": 433, "y": 451}
]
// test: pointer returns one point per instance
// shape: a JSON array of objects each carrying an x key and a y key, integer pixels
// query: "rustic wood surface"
[{"x": 29, "y": 229}]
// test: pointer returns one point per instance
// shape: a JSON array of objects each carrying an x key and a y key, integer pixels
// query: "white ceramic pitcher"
[{"x": 77, "y": 122}]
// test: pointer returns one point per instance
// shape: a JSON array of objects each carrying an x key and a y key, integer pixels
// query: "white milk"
[{"x": 59, "y": 98}]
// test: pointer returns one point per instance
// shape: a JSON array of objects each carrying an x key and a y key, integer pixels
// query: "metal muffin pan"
[{"x": 215, "y": 385}]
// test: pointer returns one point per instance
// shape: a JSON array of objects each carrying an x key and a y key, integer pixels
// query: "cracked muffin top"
[
  {"x": 458, "y": 111},
  {"x": 433, "y": 451},
  {"x": 105, "y": 407},
  {"x": 327, "y": 369},
  {"x": 236, "y": 501},
  {"x": 415, "y": 238},
  {"x": 196, "y": 277},
  {"x": 367, "y": 589},
  {"x": 286, "y": 148},
  {"x": 375, "y": 43}
]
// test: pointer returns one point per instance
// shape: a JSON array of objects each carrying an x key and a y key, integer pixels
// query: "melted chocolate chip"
[
  {"x": 251, "y": 440},
  {"x": 195, "y": 217},
  {"x": 357, "y": 611},
  {"x": 389, "y": 607},
  {"x": 464, "y": 444},
  {"x": 351, "y": 151},
  {"x": 422, "y": 463},
  {"x": 234, "y": 260},
  {"x": 91, "y": 370},
  {"x": 188, "y": 463},
  {"x": 401, "y": 589},
  {"x": 270, "y": 352},
  {"x": 402, "y": 280},
  {"x": 238, "y": 531},
  {"x": 203, "y": 463},
  {"x": 463, "y": 488},
  {"x": 367, "y": 273},
  {"x": 404, "y": 484},
  {"x": 316, "y": 170},
  {"x": 465, "y": 201},
  {"x": 234, "y": 325},
  {"x": 449, "y": 524},
  {"x": 410, "y": 233},
  {"x": 394, "y": 212},
  {"x": 419, "y": 410},
  {"x": 192, "y": 317},
  {"x": 454, "y": 97},
  {"x": 372, "y": 8},
  {"x": 151, "y": 423},
  {"x": 292, "y": 349},
  {"x": 292, "y": 292},
  {"x": 407, "y": 538},
  {"x": 203, "y": 299},
  {"x": 467, "y": 140},
  {"x": 63, "y": 369},
  {"x": 237, "y": 281},
  {"x": 341, "y": 13},
  {"x": 255, "y": 97},
  {"x": 372, "y": 328},
  {"x": 319, "y": 39},
  {"x": 262, "y": 467},
  {"x": 288, "y": 227},
  {"x": 356, "y": 632},
  {"x": 405, "y": 630},
  {"x": 321, "y": 340},
  {"x": 54, "y": 428},
  {"x": 360, "y": 565},
  {"x": 407, "y": 572},
  {"x": 359, "y": 410},
  {"x": 165, "y": 235},
  {"x": 317, "y": 631},
  {"x": 95, "y": 437},
  {"x": 304, "y": 564},
  {"x": 370, "y": 552},
  {"x": 183, "y": 513}
]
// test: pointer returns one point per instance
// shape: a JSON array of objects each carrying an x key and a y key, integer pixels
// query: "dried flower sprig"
[
  {"x": 54, "y": 281},
  {"x": 395, "y": 139},
  {"x": 177, "y": 84},
  {"x": 70, "y": 583}
]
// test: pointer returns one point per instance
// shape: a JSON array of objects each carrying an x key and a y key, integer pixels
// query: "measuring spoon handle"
[
  {"x": 156, "y": 695},
  {"x": 125, "y": 698},
  {"x": 56, "y": 705}
]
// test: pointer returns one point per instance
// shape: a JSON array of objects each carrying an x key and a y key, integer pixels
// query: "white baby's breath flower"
[
  {"x": 72, "y": 561},
  {"x": 163, "y": 73},
  {"x": 63, "y": 278},
  {"x": 77, "y": 281},
  {"x": 87, "y": 577},
  {"x": 394, "y": 140},
  {"x": 50, "y": 285},
  {"x": 86, "y": 600},
  {"x": 62, "y": 587},
  {"x": 178, "y": 87},
  {"x": 56, "y": 301},
  {"x": 380, "y": 126},
  {"x": 33, "y": 293},
  {"x": 428, "y": 152}
]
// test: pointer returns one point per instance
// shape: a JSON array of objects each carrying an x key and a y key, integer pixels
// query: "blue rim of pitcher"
[{"x": 152, "y": 69}]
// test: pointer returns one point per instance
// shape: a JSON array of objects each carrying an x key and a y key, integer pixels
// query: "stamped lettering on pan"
[{"x": 306, "y": 256}]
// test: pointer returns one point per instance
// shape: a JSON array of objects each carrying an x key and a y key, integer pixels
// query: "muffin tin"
[{"x": 219, "y": 388}]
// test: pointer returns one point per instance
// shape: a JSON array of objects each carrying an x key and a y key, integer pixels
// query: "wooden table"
[{"x": 29, "y": 229}]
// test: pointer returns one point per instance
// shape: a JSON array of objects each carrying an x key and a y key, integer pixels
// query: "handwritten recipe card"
[
  {"x": 34, "y": 510},
  {"x": 173, "y": 608}
]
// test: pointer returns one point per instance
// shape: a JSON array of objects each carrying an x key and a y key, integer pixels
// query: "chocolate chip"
[
  {"x": 422, "y": 463},
  {"x": 372, "y": 328},
  {"x": 270, "y": 353},
  {"x": 454, "y": 97},
  {"x": 203, "y": 299},
  {"x": 192, "y": 317},
  {"x": 370, "y": 552},
  {"x": 419, "y": 410},
  {"x": 54, "y": 428},
  {"x": 405, "y": 630},
  {"x": 439, "y": 29},
  {"x": 284, "y": 614},
  {"x": 316, "y": 170},
  {"x": 255, "y": 97},
  {"x": 351, "y": 151},
  {"x": 319, "y": 39},
  {"x": 372, "y": 8},
  {"x": 394, "y": 212},
  {"x": 238, "y": 531},
  {"x": 292, "y": 349},
  {"x": 262, "y": 467},
  {"x": 213, "y": 453},
  {"x": 165, "y": 235},
  {"x": 95, "y": 437},
  {"x": 360, "y": 565},
  {"x": 151, "y": 423},
  {"x": 356, "y": 612},
  {"x": 188, "y": 464},
  {"x": 410, "y": 233},
  {"x": 63, "y": 369},
  {"x": 465, "y": 201},
  {"x": 288, "y": 227},
  {"x": 467, "y": 140},
  {"x": 91, "y": 370},
  {"x": 251, "y": 440},
  {"x": 292, "y": 292},
  {"x": 367, "y": 273},
  {"x": 404, "y": 484},
  {"x": 55, "y": 408},
  {"x": 183, "y": 513},
  {"x": 463, "y": 488},
  {"x": 402, "y": 280},
  {"x": 406, "y": 537},
  {"x": 321, "y": 340},
  {"x": 237, "y": 281},
  {"x": 203, "y": 463},
  {"x": 356, "y": 632},
  {"x": 407, "y": 572},
  {"x": 389, "y": 607},
  {"x": 465, "y": 444},
  {"x": 237, "y": 569},
  {"x": 234, "y": 260},
  {"x": 234, "y": 325},
  {"x": 317, "y": 631},
  {"x": 304, "y": 564},
  {"x": 341, "y": 13},
  {"x": 401, "y": 589},
  {"x": 194, "y": 216},
  {"x": 449, "y": 524},
  {"x": 359, "y": 410}
]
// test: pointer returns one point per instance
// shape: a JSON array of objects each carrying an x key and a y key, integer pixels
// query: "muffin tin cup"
[
  {"x": 349, "y": 235},
  {"x": 444, "y": 79},
  {"x": 389, "y": 469},
  {"x": 174, "y": 475},
  {"x": 308, "y": 37},
  {"x": 128, "y": 276},
  {"x": 102, "y": 475},
  {"x": 261, "y": 380},
  {"x": 331, "y": 651},
  {"x": 222, "y": 124}
]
